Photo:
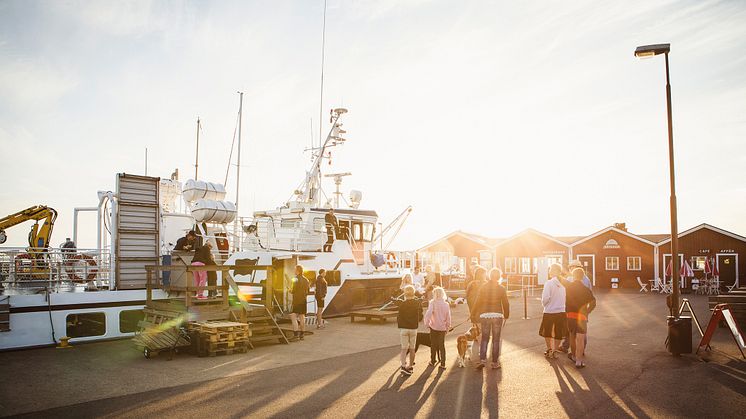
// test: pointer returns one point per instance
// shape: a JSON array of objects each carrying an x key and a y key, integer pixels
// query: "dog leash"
[{"x": 458, "y": 325}]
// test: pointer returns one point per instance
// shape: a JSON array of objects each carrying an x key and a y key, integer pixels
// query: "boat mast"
[
  {"x": 321, "y": 100},
  {"x": 196, "y": 159},
  {"x": 238, "y": 171}
]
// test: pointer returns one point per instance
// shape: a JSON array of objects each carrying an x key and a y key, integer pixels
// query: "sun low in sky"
[{"x": 489, "y": 117}]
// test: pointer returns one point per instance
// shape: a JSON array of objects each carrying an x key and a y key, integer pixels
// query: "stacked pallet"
[
  {"x": 220, "y": 337},
  {"x": 263, "y": 327}
]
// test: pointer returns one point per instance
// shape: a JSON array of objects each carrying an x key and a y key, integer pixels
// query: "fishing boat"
[{"x": 50, "y": 294}]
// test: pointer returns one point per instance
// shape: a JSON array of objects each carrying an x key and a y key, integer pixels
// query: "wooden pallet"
[
  {"x": 381, "y": 315},
  {"x": 154, "y": 340}
]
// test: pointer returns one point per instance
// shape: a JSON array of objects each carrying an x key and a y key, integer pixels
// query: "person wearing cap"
[
  {"x": 565, "y": 345},
  {"x": 187, "y": 243}
]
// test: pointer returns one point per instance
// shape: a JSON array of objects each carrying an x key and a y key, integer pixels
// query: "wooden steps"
[
  {"x": 736, "y": 300},
  {"x": 263, "y": 326},
  {"x": 5, "y": 317}
]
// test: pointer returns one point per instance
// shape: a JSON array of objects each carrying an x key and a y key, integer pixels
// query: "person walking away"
[
  {"x": 320, "y": 286},
  {"x": 418, "y": 279},
  {"x": 554, "y": 321},
  {"x": 491, "y": 309},
  {"x": 408, "y": 319},
  {"x": 187, "y": 243},
  {"x": 472, "y": 290},
  {"x": 438, "y": 319},
  {"x": 565, "y": 346},
  {"x": 580, "y": 302},
  {"x": 299, "y": 291},
  {"x": 332, "y": 226},
  {"x": 204, "y": 255}
]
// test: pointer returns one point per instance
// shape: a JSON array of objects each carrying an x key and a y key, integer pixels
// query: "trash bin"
[
  {"x": 679, "y": 335},
  {"x": 166, "y": 277}
]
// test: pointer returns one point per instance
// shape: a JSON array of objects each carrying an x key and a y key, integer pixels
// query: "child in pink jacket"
[{"x": 438, "y": 319}]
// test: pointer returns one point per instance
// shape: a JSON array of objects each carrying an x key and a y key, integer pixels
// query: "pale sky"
[{"x": 485, "y": 116}]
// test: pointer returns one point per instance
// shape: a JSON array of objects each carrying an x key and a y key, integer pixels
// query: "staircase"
[
  {"x": 261, "y": 322},
  {"x": 736, "y": 300}
]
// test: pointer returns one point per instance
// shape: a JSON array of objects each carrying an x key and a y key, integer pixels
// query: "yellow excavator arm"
[{"x": 38, "y": 238}]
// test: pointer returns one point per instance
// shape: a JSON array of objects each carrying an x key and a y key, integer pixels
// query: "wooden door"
[
  {"x": 588, "y": 262},
  {"x": 727, "y": 268}
]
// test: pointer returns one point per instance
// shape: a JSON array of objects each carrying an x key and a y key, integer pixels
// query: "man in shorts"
[
  {"x": 565, "y": 346},
  {"x": 580, "y": 302},
  {"x": 299, "y": 291},
  {"x": 408, "y": 320}
]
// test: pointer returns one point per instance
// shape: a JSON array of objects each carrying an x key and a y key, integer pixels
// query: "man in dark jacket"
[
  {"x": 299, "y": 290},
  {"x": 491, "y": 309},
  {"x": 320, "y": 286},
  {"x": 187, "y": 242},
  {"x": 332, "y": 226},
  {"x": 408, "y": 319},
  {"x": 578, "y": 305},
  {"x": 472, "y": 290}
]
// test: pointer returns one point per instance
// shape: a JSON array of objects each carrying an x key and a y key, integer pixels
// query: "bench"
[{"x": 381, "y": 315}]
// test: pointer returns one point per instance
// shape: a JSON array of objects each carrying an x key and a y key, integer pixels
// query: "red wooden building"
[
  {"x": 725, "y": 249},
  {"x": 615, "y": 256},
  {"x": 612, "y": 257}
]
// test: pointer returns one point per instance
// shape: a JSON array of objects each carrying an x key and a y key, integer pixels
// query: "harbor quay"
[{"x": 352, "y": 370}]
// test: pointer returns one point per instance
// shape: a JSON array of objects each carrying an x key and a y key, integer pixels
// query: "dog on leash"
[{"x": 465, "y": 343}]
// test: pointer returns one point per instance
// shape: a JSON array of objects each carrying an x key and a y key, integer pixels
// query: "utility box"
[
  {"x": 679, "y": 335},
  {"x": 614, "y": 283}
]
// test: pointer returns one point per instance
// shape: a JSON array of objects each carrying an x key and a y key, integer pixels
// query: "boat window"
[
  {"x": 128, "y": 320},
  {"x": 357, "y": 231},
  {"x": 368, "y": 229},
  {"x": 333, "y": 278},
  {"x": 82, "y": 325}
]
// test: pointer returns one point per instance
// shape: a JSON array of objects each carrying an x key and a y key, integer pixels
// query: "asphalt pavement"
[{"x": 629, "y": 374}]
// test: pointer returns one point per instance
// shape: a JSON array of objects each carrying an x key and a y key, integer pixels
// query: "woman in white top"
[{"x": 554, "y": 322}]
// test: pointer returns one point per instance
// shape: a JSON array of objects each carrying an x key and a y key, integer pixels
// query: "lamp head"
[{"x": 651, "y": 50}]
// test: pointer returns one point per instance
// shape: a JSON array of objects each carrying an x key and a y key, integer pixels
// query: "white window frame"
[
  {"x": 611, "y": 258},
  {"x": 522, "y": 260},
  {"x": 510, "y": 265},
  {"x": 633, "y": 258},
  {"x": 693, "y": 265}
]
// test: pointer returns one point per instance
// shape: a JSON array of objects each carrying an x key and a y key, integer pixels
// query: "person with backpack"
[{"x": 491, "y": 309}]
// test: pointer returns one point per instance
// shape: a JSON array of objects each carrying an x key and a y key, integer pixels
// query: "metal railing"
[
  {"x": 55, "y": 269},
  {"x": 295, "y": 235}
]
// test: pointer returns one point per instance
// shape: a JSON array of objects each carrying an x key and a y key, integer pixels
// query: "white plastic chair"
[
  {"x": 655, "y": 285},
  {"x": 643, "y": 287}
]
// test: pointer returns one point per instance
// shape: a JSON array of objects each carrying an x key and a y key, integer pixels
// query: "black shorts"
[
  {"x": 553, "y": 325},
  {"x": 577, "y": 326},
  {"x": 320, "y": 302},
  {"x": 300, "y": 308}
]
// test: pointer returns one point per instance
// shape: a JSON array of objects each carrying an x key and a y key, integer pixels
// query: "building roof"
[
  {"x": 709, "y": 227},
  {"x": 531, "y": 230},
  {"x": 569, "y": 239},
  {"x": 617, "y": 230},
  {"x": 481, "y": 240},
  {"x": 655, "y": 238}
]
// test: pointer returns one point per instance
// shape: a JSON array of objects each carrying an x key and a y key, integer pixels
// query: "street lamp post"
[{"x": 649, "y": 51}]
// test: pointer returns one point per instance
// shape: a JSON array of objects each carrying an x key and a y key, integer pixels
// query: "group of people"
[
  {"x": 567, "y": 301},
  {"x": 202, "y": 257},
  {"x": 299, "y": 290}
]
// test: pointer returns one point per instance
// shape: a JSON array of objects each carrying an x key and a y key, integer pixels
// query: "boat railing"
[
  {"x": 284, "y": 234},
  {"x": 56, "y": 269}
]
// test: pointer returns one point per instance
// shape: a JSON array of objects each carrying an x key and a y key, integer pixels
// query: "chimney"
[{"x": 621, "y": 226}]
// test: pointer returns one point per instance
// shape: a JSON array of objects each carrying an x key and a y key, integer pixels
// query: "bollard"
[{"x": 525, "y": 306}]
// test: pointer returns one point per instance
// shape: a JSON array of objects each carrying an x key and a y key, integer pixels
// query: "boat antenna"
[
  {"x": 196, "y": 158},
  {"x": 321, "y": 100},
  {"x": 238, "y": 170}
]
